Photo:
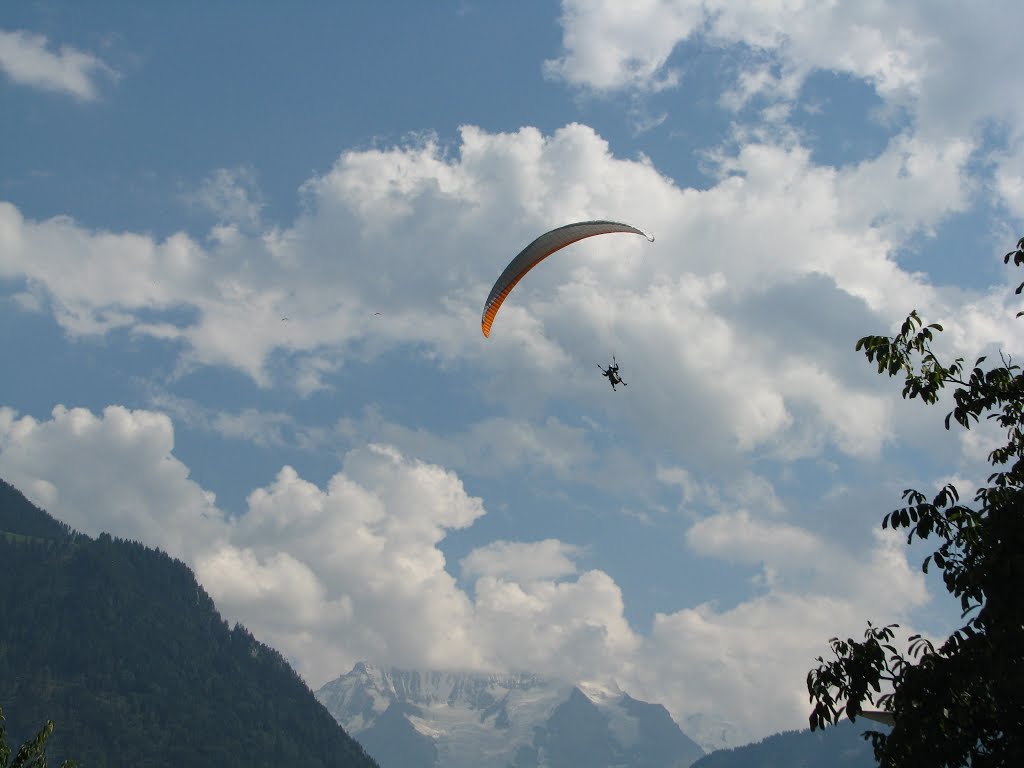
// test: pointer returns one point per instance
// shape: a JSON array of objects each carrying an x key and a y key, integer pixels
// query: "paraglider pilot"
[{"x": 612, "y": 374}]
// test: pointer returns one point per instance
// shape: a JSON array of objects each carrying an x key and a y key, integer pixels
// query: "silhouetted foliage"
[
  {"x": 961, "y": 703},
  {"x": 121, "y": 646},
  {"x": 31, "y": 754}
]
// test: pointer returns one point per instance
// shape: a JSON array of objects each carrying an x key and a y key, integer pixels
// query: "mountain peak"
[
  {"x": 597, "y": 691},
  {"x": 463, "y": 719}
]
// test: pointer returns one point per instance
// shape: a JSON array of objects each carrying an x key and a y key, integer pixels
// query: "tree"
[
  {"x": 32, "y": 753},
  {"x": 961, "y": 703}
]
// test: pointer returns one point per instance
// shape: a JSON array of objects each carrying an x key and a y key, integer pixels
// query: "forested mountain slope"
[{"x": 120, "y": 646}]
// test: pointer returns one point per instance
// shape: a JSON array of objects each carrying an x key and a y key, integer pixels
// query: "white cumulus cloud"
[
  {"x": 27, "y": 59},
  {"x": 524, "y": 561},
  {"x": 951, "y": 69},
  {"x": 352, "y": 570},
  {"x": 775, "y": 231}
]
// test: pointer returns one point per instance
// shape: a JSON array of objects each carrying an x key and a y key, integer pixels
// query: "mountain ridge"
[
  {"x": 121, "y": 647},
  {"x": 840, "y": 746},
  {"x": 458, "y": 719}
]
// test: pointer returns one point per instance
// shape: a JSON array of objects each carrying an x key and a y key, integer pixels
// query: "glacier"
[{"x": 449, "y": 719}]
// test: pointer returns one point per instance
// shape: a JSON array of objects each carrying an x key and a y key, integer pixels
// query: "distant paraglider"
[
  {"x": 612, "y": 374},
  {"x": 539, "y": 250}
]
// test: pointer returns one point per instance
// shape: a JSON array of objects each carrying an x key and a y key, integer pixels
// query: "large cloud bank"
[
  {"x": 418, "y": 232},
  {"x": 353, "y": 570}
]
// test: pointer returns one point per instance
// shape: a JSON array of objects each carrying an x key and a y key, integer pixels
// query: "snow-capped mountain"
[
  {"x": 430, "y": 719},
  {"x": 712, "y": 733}
]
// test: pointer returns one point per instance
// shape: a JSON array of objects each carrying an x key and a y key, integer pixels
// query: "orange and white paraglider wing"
[{"x": 539, "y": 250}]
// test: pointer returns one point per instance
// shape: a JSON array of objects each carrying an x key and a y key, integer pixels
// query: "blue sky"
[{"x": 395, "y": 487}]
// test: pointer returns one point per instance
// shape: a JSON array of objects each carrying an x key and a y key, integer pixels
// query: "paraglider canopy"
[
  {"x": 879, "y": 716},
  {"x": 539, "y": 250}
]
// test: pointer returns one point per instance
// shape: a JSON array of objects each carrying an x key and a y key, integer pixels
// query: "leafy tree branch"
[{"x": 962, "y": 702}]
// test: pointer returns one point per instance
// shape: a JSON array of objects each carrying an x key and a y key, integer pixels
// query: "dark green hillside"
[
  {"x": 839, "y": 747},
  {"x": 18, "y": 516},
  {"x": 126, "y": 653}
]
